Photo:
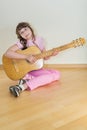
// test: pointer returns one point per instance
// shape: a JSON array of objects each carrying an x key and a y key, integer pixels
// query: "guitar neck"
[{"x": 50, "y": 52}]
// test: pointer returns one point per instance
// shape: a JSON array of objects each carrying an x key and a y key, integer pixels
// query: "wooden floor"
[{"x": 61, "y": 105}]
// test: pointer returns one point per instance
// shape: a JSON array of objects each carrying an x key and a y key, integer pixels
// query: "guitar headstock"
[{"x": 78, "y": 42}]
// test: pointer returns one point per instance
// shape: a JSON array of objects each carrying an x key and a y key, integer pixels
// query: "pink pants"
[{"x": 41, "y": 77}]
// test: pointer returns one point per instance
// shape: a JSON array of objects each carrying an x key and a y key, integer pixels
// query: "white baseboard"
[
  {"x": 61, "y": 66},
  {"x": 66, "y": 65}
]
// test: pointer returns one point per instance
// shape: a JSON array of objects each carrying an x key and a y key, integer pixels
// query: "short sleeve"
[{"x": 41, "y": 43}]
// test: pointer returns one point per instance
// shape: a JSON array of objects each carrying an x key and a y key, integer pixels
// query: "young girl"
[{"x": 35, "y": 78}]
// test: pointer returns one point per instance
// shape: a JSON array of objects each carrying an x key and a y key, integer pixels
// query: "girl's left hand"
[{"x": 55, "y": 52}]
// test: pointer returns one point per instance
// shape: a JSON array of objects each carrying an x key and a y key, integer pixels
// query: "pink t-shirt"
[{"x": 39, "y": 42}]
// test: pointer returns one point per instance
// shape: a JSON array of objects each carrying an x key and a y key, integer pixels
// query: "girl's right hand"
[{"x": 30, "y": 58}]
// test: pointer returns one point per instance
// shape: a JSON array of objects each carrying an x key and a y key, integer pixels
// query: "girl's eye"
[{"x": 22, "y": 32}]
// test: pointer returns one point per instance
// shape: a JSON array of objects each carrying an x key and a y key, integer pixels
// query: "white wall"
[{"x": 58, "y": 21}]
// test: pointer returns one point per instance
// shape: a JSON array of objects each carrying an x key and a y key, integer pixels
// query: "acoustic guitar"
[{"x": 16, "y": 69}]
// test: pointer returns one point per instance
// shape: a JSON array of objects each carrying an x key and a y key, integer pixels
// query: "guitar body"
[{"x": 16, "y": 69}]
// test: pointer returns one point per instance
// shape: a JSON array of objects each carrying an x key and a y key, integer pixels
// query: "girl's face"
[{"x": 26, "y": 33}]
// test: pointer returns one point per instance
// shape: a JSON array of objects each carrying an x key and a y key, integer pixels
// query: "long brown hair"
[{"x": 18, "y": 28}]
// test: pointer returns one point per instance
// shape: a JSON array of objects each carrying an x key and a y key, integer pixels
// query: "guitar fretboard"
[{"x": 61, "y": 48}]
